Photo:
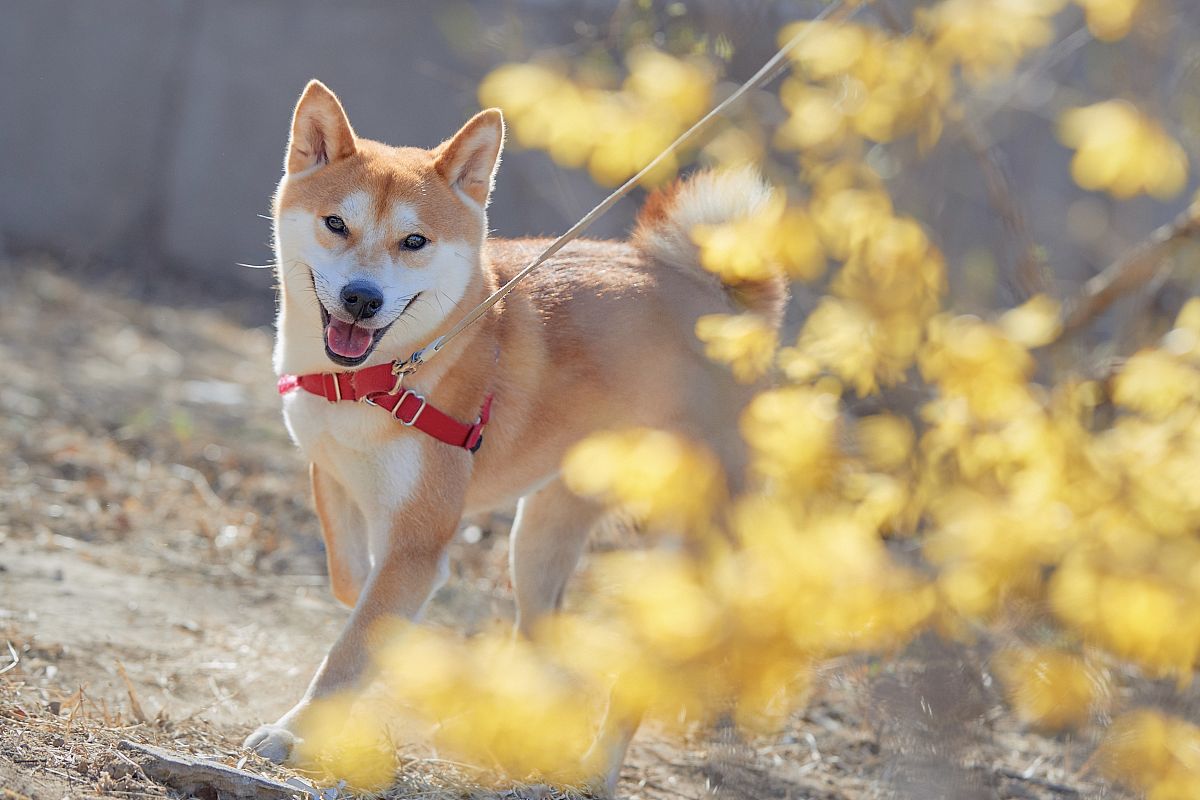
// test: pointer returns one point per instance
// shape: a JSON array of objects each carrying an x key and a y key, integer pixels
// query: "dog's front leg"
[
  {"x": 345, "y": 532},
  {"x": 413, "y": 536}
]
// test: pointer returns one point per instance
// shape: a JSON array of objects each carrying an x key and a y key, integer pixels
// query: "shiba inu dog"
[{"x": 380, "y": 249}]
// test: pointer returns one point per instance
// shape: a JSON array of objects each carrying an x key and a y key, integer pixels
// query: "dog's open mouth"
[{"x": 350, "y": 343}]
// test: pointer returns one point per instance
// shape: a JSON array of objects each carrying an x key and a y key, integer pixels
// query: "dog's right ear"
[{"x": 321, "y": 132}]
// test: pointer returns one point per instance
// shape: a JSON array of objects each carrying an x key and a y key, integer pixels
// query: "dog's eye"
[
  {"x": 414, "y": 241},
  {"x": 337, "y": 225}
]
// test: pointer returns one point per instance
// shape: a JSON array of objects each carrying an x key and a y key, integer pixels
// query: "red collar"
[{"x": 380, "y": 386}]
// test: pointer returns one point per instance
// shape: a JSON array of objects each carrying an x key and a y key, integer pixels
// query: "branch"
[
  {"x": 198, "y": 776},
  {"x": 1131, "y": 271},
  {"x": 1031, "y": 271}
]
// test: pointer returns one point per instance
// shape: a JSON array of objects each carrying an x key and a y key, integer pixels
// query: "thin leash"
[{"x": 773, "y": 67}]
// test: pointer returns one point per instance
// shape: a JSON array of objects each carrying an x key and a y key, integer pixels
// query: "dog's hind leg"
[
  {"x": 548, "y": 537},
  {"x": 345, "y": 531}
]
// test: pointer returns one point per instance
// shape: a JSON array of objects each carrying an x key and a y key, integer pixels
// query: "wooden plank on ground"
[{"x": 203, "y": 778}]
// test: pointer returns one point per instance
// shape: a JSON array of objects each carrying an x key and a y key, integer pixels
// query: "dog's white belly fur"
[{"x": 348, "y": 441}]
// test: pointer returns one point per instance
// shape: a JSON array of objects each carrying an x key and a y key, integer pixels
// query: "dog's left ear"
[{"x": 468, "y": 160}]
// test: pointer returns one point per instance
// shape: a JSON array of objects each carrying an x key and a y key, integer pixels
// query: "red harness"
[{"x": 380, "y": 386}]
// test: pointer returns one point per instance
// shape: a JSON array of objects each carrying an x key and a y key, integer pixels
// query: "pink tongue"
[{"x": 347, "y": 339}]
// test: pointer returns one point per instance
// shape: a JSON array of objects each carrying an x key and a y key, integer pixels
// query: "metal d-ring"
[{"x": 399, "y": 371}]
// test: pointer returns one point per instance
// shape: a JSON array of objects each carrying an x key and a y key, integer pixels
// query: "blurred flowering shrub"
[
  {"x": 613, "y": 132},
  {"x": 1025, "y": 483}
]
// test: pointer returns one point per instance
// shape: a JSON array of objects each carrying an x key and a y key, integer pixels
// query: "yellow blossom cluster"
[
  {"x": 613, "y": 132},
  {"x": 1018, "y": 478},
  {"x": 489, "y": 697},
  {"x": 671, "y": 634},
  {"x": 745, "y": 342},
  {"x": 856, "y": 81},
  {"x": 776, "y": 239},
  {"x": 1120, "y": 150},
  {"x": 988, "y": 38},
  {"x": 866, "y": 332},
  {"x": 734, "y": 621},
  {"x": 868, "y": 329}
]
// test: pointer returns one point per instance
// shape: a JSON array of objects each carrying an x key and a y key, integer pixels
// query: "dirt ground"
[{"x": 162, "y": 581}]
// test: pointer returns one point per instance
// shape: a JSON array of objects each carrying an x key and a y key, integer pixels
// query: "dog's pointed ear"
[
  {"x": 468, "y": 160},
  {"x": 321, "y": 132}
]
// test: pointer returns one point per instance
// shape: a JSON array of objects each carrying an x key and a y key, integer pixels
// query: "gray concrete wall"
[{"x": 148, "y": 135}]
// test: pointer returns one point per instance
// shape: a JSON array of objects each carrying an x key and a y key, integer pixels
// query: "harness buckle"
[
  {"x": 332, "y": 377},
  {"x": 416, "y": 416},
  {"x": 475, "y": 435}
]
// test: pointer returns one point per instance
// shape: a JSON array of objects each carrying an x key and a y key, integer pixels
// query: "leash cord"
[{"x": 775, "y": 65}]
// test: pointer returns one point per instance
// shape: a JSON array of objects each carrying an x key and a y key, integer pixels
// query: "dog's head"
[{"x": 375, "y": 245}]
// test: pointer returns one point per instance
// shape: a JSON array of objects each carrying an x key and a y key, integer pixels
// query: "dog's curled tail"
[{"x": 666, "y": 221}]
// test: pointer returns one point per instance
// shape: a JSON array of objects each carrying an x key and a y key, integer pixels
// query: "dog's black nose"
[{"x": 361, "y": 299}]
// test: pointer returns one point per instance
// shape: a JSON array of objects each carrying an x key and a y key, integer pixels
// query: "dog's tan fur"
[{"x": 601, "y": 337}]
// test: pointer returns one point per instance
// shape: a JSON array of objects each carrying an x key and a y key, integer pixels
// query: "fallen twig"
[
  {"x": 197, "y": 479},
  {"x": 1132, "y": 270},
  {"x": 197, "y": 776},
  {"x": 130, "y": 762},
  {"x": 16, "y": 659},
  {"x": 1017, "y": 775}
]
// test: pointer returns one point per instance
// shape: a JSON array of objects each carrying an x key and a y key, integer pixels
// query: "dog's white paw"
[{"x": 273, "y": 742}]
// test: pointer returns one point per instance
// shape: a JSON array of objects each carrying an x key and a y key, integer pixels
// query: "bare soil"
[{"x": 162, "y": 580}]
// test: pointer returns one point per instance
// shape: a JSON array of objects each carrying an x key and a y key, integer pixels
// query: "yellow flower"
[
  {"x": 1120, "y": 150},
  {"x": 975, "y": 361},
  {"x": 746, "y": 342},
  {"x": 1109, "y": 19},
  {"x": 886, "y": 440},
  {"x": 1140, "y": 617},
  {"x": 1033, "y": 324},
  {"x": 1153, "y": 753},
  {"x": 670, "y": 608},
  {"x": 659, "y": 477},
  {"x": 816, "y": 120},
  {"x": 346, "y": 737},
  {"x": 792, "y": 433},
  {"x": 989, "y": 37},
  {"x": 739, "y": 250},
  {"x": 845, "y": 339},
  {"x": 759, "y": 246},
  {"x": 1048, "y": 688},
  {"x": 827, "y": 49},
  {"x": 680, "y": 85},
  {"x": 1156, "y": 383},
  {"x": 1184, "y": 339}
]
